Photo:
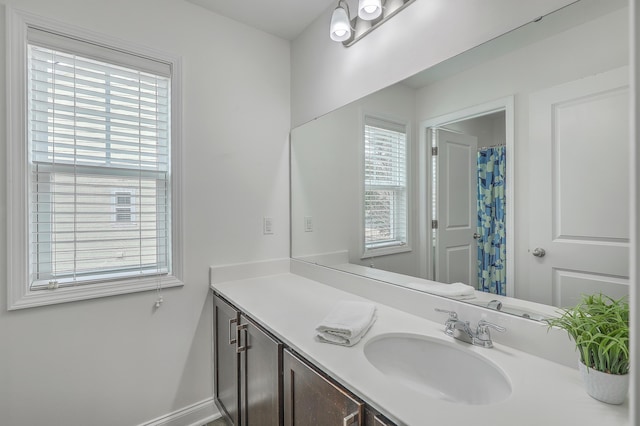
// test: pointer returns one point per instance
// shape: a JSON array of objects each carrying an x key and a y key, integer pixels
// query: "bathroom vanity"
[
  {"x": 269, "y": 369},
  {"x": 258, "y": 381}
]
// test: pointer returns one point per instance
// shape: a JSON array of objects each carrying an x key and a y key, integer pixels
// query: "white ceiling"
[{"x": 283, "y": 18}]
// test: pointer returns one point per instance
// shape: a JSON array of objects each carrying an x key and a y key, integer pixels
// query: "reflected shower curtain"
[{"x": 492, "y": 248}]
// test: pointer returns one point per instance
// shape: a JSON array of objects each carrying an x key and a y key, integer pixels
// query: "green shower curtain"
[{"x": 492, "y": 246}]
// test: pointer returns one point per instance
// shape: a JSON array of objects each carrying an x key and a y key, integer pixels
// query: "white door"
[
  {"x": 579, "y": 189},
  {"x": 456, "y": 251}
]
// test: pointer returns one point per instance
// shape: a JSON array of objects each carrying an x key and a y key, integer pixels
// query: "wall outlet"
[
  {"x": 267, "y": 226},
  {"x": 308, "y": 224}
]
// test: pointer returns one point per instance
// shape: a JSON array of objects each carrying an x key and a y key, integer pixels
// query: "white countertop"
[{"x": 543, "y": 392}]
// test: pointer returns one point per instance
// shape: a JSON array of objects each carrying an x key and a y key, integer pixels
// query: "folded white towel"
[
  {"x": 327, "y": 337},
  {"x": 347, "y": 322},
  {"x": 455, "y": 290}
]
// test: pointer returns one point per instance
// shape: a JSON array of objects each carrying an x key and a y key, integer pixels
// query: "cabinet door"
[
  {"x": 373, "y": 418},
  {"x": 226, "y": 359},
  {"x": 312, "y": 400},
  {"x": 260, "y": 376}
]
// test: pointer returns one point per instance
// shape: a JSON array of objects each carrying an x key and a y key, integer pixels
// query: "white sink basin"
[{"x": 438, "y": 369}]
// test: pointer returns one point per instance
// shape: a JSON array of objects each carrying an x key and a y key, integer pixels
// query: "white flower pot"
[{"x": 609, "y": 388}]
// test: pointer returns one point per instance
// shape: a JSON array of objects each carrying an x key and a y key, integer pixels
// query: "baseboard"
[{"x": 193, "y": 415}]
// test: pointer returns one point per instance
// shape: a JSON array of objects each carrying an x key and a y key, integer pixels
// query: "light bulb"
[
  {"x": 340, "y": 29},
  {"x": 369, "y": 9}
]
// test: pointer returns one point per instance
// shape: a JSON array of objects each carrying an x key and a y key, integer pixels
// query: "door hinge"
[
  {"x": 434, "y": 224},
  {"x": 434, "y": 150}
]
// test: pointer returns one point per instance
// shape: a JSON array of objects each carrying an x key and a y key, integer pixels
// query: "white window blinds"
[
  {"x": 100, "y": 182},
  {"x": 385, "y": 181}
]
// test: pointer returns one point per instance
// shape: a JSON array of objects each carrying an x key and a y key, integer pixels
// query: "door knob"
[
  {"x": 476, "y": 236},
  {"x": 539, "y": 252}
]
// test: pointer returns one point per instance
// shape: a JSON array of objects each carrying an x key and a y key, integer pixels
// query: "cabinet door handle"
[
  {"x": 351, "y": 419},
  {"x": 240, "y": 329},
  {"x": 232, "y": 340}
]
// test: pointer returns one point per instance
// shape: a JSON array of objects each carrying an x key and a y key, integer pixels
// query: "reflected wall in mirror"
[{"x": 555, "y": 93}]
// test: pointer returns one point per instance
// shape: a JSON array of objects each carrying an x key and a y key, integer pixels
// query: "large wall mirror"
[{"x": 504, "y": 168}]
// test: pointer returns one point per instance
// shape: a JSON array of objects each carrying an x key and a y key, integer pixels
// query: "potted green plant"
[{"x": 599, "y": 326}]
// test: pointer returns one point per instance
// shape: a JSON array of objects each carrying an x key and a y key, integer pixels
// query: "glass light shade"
[
  {"x": 340, "y": 29},
  {"x": 369, "y": 9}
]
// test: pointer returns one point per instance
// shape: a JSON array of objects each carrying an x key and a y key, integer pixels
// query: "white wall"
[
  {"x": 593, "y": 47},
  {"x": 114, "y": 361},
  {"x": 326, "y": 76}
]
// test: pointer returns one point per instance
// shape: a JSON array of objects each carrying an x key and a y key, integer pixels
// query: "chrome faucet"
[
  {"x": 461, "y": 330},
  {"x": 495, "y": 304}
]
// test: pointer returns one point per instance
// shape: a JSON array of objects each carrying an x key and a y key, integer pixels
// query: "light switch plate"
[
  {"x": 308, "y": 224},
  {"x": 267, "y": 226}
]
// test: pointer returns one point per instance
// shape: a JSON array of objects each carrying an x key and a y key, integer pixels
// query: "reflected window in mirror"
[{"x": 385, "y": 187}]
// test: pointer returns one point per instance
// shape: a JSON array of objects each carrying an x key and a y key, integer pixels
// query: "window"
[
  {"x": 99, "y": 211},
  {"x": 385, "y": 187}
]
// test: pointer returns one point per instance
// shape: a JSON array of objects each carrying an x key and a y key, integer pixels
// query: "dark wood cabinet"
[
  {"x": 373, "y": 418},
  {"x": 310, "y": 399},
  {"x": 260, "y": 378},
  {"x": 226, "y": 360},
  {"x": 248, "y": 366}
]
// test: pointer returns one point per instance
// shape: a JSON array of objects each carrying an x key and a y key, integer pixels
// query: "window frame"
[
  {"x": 19, "y": 294},
  {"x": 390, "y": 248}
]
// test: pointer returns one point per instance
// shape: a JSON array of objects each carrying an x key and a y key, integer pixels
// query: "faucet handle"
[
  {"x": 452, "y": 314},
  {"x": 483, "y": 327},
  {"x": 483, "y": 337}
]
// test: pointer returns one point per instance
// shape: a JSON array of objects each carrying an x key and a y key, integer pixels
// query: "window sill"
[
  {"x": 385, "y": 251},
  {"x": 32, "y": 299}
]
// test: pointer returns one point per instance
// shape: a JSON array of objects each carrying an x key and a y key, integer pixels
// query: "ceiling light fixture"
[
  {"x": 369, "y": 9},
  {"x": 371, "y": 14},
  {"x": 340, "y": 29}
]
